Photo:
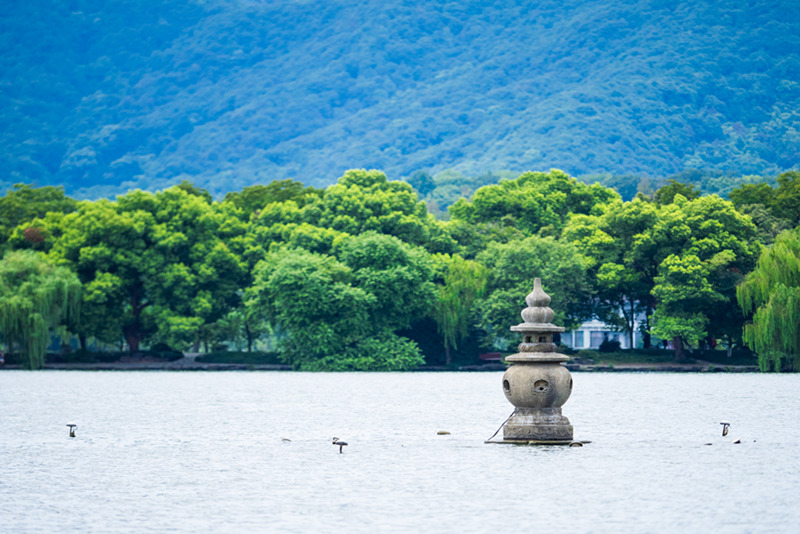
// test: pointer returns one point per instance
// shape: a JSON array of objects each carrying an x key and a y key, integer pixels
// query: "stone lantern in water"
[{"x": 537, "y": 383}]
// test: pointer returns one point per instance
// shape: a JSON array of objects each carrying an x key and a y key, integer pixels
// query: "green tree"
[
  {"x": 275, "y": 221},
  {"x": 667, "y": 193},
  {"x": 535, "y": 202},
  {"x": 748, "y": 194},
  {"x": 344, "y": 314},
  {"x": 312, "y": 298},
  {"x": 760, "y": 202},
  {"x": 783, "y": 201},
  {"x": 512, "y": 269},
  {"x": 786, "y": 202},
  {"x": 298, "y": 235},
  {"x": 706, "y": 245},
  {"x": 25, "y": 203},
  {"x": 627, "y": 185},
  {"x": 770, "y": 295},
  {"x": 154, "y": 266},
  {"x": 622, "y": 278},
  {"x": 422, "y": 182},
  {"x": 638, "y": 250},
  {"x": 240, "y": 327},
  {"x": 252, "y": 199},
  {"x": 35, "y": 297},
  {"x": 473, "y": 238},
  {"x": 113, "y": 256},
  {"x": 464, "y": 283},
  {"x": 363, "y": 201},
  {"x": 193, "y": 190},
  {"x": 199, "y": 280},
  {"x": 396, "y": 274},
  {"x": 684, "y": 292},
  {"x": 767, "y": 224}
]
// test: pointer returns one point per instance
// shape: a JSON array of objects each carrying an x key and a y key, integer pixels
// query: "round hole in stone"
[
  {"x": 506, "y": 386},
  {"x": 540, "y": 386}
]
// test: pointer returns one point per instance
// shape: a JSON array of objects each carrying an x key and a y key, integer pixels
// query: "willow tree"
[
  {"x": 771, "y": 293},
  {"x": 35, "y": 296},
  {"x": 464, "y": 284}
]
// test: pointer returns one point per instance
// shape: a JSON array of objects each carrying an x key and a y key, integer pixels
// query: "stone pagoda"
[{"x": 537, "y": 383}]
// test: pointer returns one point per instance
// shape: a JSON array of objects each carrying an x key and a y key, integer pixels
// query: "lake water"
[{"x": 200, "y": 452}]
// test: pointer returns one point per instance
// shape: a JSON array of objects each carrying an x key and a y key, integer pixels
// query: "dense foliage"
[
  {"x": 24, "y": 203},
  {"x": 463, "y": 284},
  {"x": 35, "y": 296},
  {"x": 771, "y": 297},
  {"x": 151, "y": 264},
  {"x": 360, "y": 276},
  {"x": 104, "y": 96}
]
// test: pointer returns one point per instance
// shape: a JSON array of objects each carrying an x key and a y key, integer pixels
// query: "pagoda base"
[
  {"x": 539, "y": 425},
  {"x": 537, "y": 442}
]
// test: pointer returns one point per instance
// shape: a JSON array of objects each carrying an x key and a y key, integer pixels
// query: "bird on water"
[
  {"x": 337, "y": 441},
  {"x": 725, "y": 426}
]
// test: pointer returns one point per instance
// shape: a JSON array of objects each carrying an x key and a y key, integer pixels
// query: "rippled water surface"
[{"x": 199, "y": 452}]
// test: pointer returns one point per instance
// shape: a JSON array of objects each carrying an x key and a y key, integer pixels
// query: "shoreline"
[{"x": 188, "y": 363}]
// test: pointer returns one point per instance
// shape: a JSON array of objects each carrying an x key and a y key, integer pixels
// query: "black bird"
[
  {"x": 337, "y": 441},
  {"x": 725, "y": 426}
]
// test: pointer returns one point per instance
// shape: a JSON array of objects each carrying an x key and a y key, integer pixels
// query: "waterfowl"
[{"x": 337, "y": 441}]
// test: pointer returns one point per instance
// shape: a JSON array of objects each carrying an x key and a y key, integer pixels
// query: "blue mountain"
[{"x": 102, "y": 96}]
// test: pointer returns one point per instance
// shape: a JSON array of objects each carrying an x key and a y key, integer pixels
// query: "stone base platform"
[
  {"x": 538, "y": 424},
  {"x": 536, "y": 442}
]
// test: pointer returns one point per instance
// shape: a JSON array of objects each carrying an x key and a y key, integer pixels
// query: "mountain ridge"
[{"x": 228, "y": 94}]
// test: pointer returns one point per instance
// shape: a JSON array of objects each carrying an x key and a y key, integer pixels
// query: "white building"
[{"x": 592, "y": 333}]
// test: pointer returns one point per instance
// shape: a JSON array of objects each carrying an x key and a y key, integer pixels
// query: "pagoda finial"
[{"x": 537, "y": 311}]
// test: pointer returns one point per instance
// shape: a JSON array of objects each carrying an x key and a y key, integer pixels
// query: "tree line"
[{"x": 361, "y": 276}]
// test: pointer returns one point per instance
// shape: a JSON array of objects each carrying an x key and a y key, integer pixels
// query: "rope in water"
[{"x": 501, "y": 426}]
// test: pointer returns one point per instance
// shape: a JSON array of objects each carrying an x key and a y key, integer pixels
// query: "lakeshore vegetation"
[{"x": 362, "y": 276}]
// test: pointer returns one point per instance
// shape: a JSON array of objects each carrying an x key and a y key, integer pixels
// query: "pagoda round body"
[
  {"x": 543, "y": 385},
  {"x": 537, "y": 383}
]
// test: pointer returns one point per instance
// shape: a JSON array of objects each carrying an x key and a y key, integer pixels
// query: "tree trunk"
[
  {"x": 249, "y": 337},
  {"x": 446, "y": 353},
  {"x": 631, "y": 326},
  {"x": 133, "y": 331},
  {"x": 677, "y": 345},
  {"x": 132, "y": 336},
  {"x": 82, "y": 341},
  {"x": 646, "y": 338}
]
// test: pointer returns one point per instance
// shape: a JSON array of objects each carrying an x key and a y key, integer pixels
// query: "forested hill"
[{"x": 101, "y": 96}]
